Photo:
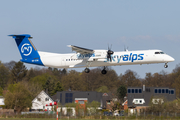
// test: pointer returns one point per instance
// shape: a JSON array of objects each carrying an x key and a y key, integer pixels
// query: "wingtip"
[{"x": 69, "y": 45}]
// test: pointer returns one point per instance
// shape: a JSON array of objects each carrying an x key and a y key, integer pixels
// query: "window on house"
[
  {"x": 136, "y": 90},
  {"x": 167, "y": 91},
  {"x": 147, "y": 89},
  {"x": 163, "y": 90},
  {"x": 135, "y": 111},
  {"x": 81, "y": 101},
  {"x": 68, "y": 98},
  {"x": 60, "y": 98},
  {"x": 46, "y": 99},
  {"x": 155, "y": 90},
  {"x": 108, "y": 102},
  {"x": 38, "y": 99},
  {"x": 129, "y": 90},
  {"x": 140, "y": 90},
  {"x": 132, "y": 90},
  {"x": 159, "y": 90},
  {"x": 172, "y": 91}
]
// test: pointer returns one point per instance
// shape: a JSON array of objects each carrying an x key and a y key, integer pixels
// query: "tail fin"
[{"x": 27, "y": 50}]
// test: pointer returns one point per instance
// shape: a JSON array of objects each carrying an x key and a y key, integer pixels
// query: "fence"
[{"x": 98, "y": 115}]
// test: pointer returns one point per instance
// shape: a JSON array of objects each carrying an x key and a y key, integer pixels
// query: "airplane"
[{"x": 86, "y": 57}]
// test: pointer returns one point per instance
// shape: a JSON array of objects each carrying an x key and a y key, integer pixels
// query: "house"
[
  {"x": 125, "y": 105},
  {"x": 139, "y": 98},
  {"x": 40, "y": 101},
  {"x": 82, "y": 97},
  {"x": 1, "y": 101}
]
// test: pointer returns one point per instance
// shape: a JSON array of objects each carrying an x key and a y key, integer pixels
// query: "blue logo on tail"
[{"x": 26, "y": 49}]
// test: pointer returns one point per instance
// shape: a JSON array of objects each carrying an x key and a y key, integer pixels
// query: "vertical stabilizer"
[{"x": 27, "y": 50}]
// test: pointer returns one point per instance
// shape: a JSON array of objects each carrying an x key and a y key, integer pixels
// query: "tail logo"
[{"x": 26, "y": 49}]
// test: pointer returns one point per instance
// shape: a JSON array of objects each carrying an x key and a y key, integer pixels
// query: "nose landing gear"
[
  {"x": 87, "y": 70},
  {"x": 165, "y": 65}
]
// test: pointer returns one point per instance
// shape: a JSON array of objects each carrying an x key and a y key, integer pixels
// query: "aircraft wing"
[{"x": 81, "y": 50}]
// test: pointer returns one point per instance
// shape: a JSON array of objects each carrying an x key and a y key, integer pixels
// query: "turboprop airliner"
[{"x": 84, "y": 57}]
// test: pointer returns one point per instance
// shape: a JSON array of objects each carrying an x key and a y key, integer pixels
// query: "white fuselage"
[{"x": 99, "y": 58}]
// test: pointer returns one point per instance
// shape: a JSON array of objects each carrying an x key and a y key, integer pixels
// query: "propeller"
[{"x": 109, "y": 53}]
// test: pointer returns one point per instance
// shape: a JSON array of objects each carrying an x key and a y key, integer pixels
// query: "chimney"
[{"x": 143, "y": 88}]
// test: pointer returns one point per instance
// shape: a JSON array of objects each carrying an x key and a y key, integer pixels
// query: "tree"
[
  {"x": 4, "y": 76},
  {"x": 121, "y": 92},
  {"x": 18, "y": 72},
  {"x": 58, "y": 87},
  {"x": 102, "y": 89},
  {"x": 18, "y": 97},
  {"x": 10, "y": 65},
  {"x": 73, "y": 81},
  {"x": 46, "y": 81},
  {"x": 130, "y": 78}
]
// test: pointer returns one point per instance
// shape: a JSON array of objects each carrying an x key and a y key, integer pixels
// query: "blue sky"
[{"x": 93, "y": 24}]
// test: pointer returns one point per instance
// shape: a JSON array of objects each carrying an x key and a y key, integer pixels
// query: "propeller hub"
[{"x": 110, "y": 52}]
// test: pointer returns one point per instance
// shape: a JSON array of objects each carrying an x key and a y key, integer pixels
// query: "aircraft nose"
[{"x": 170, "y": 59}]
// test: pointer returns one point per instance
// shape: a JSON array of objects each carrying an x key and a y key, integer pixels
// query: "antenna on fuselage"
[{"x": 125, "y": 49}]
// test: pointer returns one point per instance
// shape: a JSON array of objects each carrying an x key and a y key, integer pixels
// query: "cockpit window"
[{"x": 159, "y": 52}]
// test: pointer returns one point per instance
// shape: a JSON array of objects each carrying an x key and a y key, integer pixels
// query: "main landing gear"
[
  {"x": 104, "y": 70},
  {"x": 165, "y": 65},
  {"x": 87, "y": 70}
]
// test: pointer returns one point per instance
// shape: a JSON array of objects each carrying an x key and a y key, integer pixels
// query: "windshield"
[{"x": 159, "y": 52}]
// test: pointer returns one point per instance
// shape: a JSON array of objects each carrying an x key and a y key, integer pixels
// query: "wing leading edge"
[{"x": 81, "y": 50}]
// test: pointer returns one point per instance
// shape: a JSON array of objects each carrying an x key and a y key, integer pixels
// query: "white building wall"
[
  {"x": 36, "y": 104},
  {"x": 2, "y": 101}
]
